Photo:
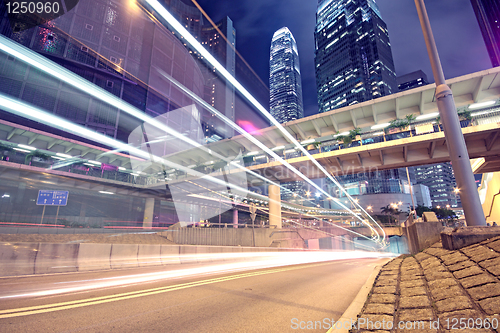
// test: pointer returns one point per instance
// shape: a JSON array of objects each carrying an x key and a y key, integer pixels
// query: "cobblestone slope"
[{"x": 437, "y": 290}]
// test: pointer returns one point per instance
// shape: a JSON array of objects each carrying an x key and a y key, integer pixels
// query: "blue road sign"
[{"x": 52, "y": 198}]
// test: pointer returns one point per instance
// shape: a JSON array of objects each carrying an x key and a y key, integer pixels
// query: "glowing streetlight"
[
  {"x": 438, "y": 207},
  {"x": 308, "y": 193},
  {"x": 369, "y": 207}
]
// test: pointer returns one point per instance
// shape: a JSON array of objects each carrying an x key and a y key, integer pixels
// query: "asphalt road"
[{"x": 264, "y": 300}]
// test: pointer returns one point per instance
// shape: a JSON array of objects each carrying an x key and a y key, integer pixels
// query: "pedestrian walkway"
[{"x": 437, "y": 290}]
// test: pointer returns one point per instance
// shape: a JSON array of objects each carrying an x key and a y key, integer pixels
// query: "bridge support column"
[
  {"x": 149, "y": 208},
  {"x": 274, "y": 206},
  {"x": 235, "y": 218}
]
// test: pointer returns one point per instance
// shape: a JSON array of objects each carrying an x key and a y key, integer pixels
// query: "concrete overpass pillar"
[
  {"x": 235, "y": 218},
  {"x": 149, "y": 208},
  {"x": 274, "y": 206}
]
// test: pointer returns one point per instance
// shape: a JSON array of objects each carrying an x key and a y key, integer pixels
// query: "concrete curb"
[{"x": 351, "y": 314}]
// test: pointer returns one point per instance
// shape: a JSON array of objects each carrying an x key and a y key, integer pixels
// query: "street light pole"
[{"x": 459, "y": 156}]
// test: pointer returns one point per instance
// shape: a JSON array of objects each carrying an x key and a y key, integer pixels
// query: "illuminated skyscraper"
[
  {"x": 284, "y": 78},
  {"x": 285, "y": 88},
  {"x": 488, "y": 17},
  {"x": 353, "y": 54}
]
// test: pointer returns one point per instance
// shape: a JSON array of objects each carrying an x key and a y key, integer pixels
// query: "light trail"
[
  {"x": 158, "y": 8},
  {"x": 74, "y": 80},
  {"x": 243, "y": 262}
]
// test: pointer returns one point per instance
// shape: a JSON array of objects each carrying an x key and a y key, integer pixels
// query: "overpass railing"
[{"x": 372, "y": 137}]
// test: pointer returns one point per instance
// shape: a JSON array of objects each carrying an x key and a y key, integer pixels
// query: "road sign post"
[{"x": 52, "y": 198}]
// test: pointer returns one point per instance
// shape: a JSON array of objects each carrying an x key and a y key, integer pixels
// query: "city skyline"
[{"x": 458, "y": 37}]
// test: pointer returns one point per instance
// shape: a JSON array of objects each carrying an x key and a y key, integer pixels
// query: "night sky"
[{"x": 458, "y": 38}]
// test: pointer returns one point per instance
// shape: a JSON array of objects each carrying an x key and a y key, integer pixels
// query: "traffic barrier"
[
  {"x": 187, "y": 254},
  {"x": 56, "y": 258},
  {"x": 93, "y": 256},
  {"x": 170, "y": 254},
  {"x": 124, "y": 255},
  {"x": 203, "y": 254},
  {"x": 149, "y": 255},
  {"x": 17, "y": 258},
  {"x": 40, "y": 258}
]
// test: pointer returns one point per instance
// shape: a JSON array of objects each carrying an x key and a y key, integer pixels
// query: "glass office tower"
[
  {"x": 285, "y": 87},
  {"x": 353, "y": 54},
  {"x": 284, "y": 78}
]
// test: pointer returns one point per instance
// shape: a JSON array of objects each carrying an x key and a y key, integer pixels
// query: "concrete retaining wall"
[
  {"x": 421, "y": 235},
  {"x": 259, "y": 237}
]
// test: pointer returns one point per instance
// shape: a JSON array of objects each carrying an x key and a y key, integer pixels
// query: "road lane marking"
[{"x": 26, "y": 311}]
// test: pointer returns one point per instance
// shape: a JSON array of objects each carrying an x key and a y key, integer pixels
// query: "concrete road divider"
[
  {"x": 41, "y": 258},
  {"x": 17, "y": 258},
  {"x": 149, "y": 255},
  {"x": 187, "y": 254},
  {"x": 124, "y": 255},
  {"x": 170, "y": 254},
  {"x": 56, "y": 258},
  {"x": 94, "y": 257},
  {"x": 203, "y": 254}
]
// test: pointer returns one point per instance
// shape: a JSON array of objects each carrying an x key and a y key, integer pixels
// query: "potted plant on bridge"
[
  {"x": 353, "y": 134},
  {"x": 40, "y": 157},
  {"x": 466, "y": 116}
]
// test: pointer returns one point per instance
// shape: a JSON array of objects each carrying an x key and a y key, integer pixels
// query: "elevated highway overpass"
[
  {"x": 424, "y": 144},
  {"x": 423, "y": 149},
  {"x": 110, "y": 169}
]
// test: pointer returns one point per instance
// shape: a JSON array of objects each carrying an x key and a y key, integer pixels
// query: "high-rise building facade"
[
  {"x": 440, "y": 180},
  {"x": 220, "y": 40},
  {"x": 285, "y": 83},
  {"x": 488, "y": 16},
  {"x": 285, "y": 90},
  {"x": 353, "y": 56}
]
